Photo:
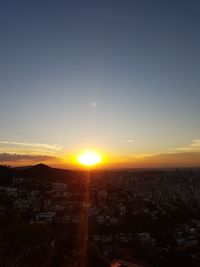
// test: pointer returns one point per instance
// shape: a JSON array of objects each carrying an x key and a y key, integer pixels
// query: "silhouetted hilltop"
[
  {"x": 40, "y": 171},
  {"x": 37, "y": 170},
  {"x": 43, "y": 171}
]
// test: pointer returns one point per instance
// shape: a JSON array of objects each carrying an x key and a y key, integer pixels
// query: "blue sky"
[{"x": 137, "y": 60}]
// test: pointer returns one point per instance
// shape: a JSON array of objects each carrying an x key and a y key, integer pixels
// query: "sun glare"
[{"x": 89, "y": 158}]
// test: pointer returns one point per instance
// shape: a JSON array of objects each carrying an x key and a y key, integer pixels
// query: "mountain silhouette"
[{"x": 39, "y": 171}]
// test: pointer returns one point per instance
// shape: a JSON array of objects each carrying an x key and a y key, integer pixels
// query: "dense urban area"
[{"x": 134, "y": 217}]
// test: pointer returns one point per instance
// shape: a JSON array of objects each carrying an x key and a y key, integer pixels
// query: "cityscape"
[{"x": 134, "y": 217}]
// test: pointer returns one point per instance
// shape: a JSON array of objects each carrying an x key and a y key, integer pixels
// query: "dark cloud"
[{"x": 9, "y": 157}]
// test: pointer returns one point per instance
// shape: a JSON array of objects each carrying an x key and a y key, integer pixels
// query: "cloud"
[
  {"x": 179, "y": 159},
  {"x": 194, "y": 146},
  {"x": 56, "y": 147},
  {"x": 131, "y": 141},
  {"x": 93, "y": 105},
  {"x": 165, "y": 160},
  {"x": 12, "y": 157}
]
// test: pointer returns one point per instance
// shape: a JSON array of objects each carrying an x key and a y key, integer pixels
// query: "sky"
[{"x": 117, "y": 76}]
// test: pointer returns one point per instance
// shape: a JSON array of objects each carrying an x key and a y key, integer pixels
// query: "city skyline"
[{"x": 118, "y": 78}]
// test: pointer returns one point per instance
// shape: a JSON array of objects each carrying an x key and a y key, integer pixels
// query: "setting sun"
[{"x": 89, "y": 158}]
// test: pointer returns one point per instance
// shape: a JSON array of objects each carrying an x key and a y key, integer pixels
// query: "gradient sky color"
[{"x": 118, "y": 76}]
